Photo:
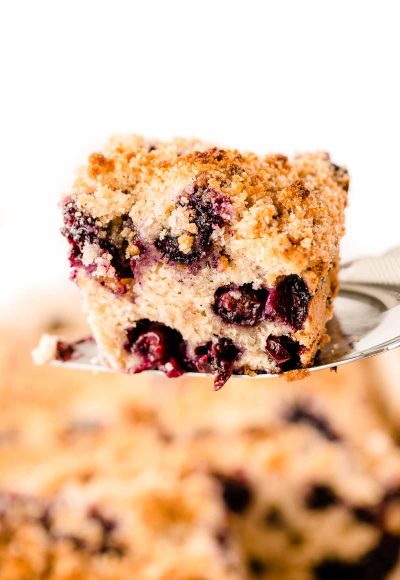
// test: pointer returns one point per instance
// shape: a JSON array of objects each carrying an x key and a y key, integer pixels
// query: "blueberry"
[
  {"x": 320, "y": 497},
  {"x": 208, "y": 207},
  {"x": 256, "y": 567},
  {"x": 236, "y": 493},
  {"x": 300, "y": 413},
  {"x": 158, "y": 346},
  {"x": 116, "y": 245},
  {"x": 366, "y": 515},
  {"x": 65, "y": 351},
  {"x": 374, "y": 565},
  {"x": 288, "y": 301},
  {"x": 217, "y": 358},
  {"x": 241, "y": 305},
  {"x": 284, "y": 350},
  {"x": 169, "y": 247}
]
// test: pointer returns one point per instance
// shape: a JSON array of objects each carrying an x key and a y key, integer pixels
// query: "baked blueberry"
[
  {"x": 289, "y": 300},
  {"x": 241, "y": 305},
  {"x": 158, "y": 347}
]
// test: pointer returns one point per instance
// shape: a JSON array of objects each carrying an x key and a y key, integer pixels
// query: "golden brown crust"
[{"x": 299, "y": 203}]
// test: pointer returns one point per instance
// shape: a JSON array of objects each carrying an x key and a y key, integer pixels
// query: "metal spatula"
[{"x": 366, "y": 321}]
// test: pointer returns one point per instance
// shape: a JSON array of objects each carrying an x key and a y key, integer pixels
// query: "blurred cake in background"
[
  {"x": 115, "y": 477},
  {"x": 387, "y": 369}
]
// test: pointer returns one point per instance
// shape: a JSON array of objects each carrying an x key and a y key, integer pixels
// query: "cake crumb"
[
  {"x": 46, "y": 351},
  {"x": 185, "y": 243},
  {"x": 222, "y": 263},
  {"x": 296, "y": 375}
]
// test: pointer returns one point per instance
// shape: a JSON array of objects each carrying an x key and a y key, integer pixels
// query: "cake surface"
[
  {"x": 198, "y": 258},
  {"x": 100, "y": 478}
]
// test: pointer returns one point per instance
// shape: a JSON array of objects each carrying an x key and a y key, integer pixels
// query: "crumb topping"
[{"x": 291, "y": 208}]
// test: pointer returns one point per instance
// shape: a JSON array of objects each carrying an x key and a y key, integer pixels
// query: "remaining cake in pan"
[
  {"x": 78, "y": 499},
  {"x": 170, "y": 527},
  {"x": 387, "y": 388},
  {"x": 205, "y": 259},
  {"x": 102, "y": 481}
]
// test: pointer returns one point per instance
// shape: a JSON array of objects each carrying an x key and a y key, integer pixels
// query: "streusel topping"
[{"x": 292, "y": 208}]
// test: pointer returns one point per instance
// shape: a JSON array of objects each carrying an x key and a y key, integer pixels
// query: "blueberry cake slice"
[{"x": 195, "y": 258}]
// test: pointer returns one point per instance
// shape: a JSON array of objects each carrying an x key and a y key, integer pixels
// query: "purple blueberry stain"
[
  {"x": 288, "y": 301},
  {"x": 300, "y": 413},
  {"x": 217, "y": 358},
  {"x": 242, "y": 305},
  {"x": 116, "y": 245},
  {"x": 80, "y": 229},
  {"x": 65, "y": 351},
  {"x": 222, "y": 538}
]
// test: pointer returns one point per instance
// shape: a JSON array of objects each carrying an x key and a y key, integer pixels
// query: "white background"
[{"x": 262, "y": 75}]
